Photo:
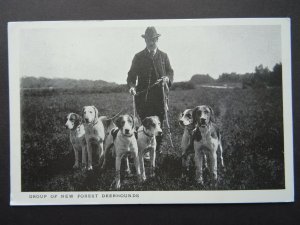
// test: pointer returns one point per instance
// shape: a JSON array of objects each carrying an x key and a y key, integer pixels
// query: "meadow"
[{"x": 251, "y": 122}]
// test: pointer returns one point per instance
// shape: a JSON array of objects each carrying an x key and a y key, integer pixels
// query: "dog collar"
[
  {"x": 190, "y": 130},
  {"x": 77, "y": 127},
  {"x": 202, "y": 125},
  {"x": 94, "y": 122},
  {"x": 127, "y": 135},
  {"x": 148, "y": 135}
]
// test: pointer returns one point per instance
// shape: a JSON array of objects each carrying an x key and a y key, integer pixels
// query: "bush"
[{"x": 185, "y": 85}]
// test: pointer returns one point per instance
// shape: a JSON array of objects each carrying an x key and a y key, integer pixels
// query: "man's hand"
[
  {"x": 165, "y": 80},
  {"x": 132, "y": 91}
]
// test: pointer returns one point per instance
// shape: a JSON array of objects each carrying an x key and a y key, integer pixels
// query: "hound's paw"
[
  {"x": 128, "y": 173},
  {"x": 118, "y": 185},
  {"x": 141, "y": 178},
  {"x": 215, "y": 177},
  {"x": 103, "y": 167},
  {"x": 214, "y": 184},
  {"x": 199, "y": 180},
  {"x": 184, "y": 175},
  {"x": 222, "y": 164},
  {"x": 152, "y": 173},
  {"x": 83, "y": 166},
  {"x": 76, "y": 166}
]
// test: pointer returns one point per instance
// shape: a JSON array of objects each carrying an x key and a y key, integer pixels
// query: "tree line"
[{"x": 262, "y": 77}]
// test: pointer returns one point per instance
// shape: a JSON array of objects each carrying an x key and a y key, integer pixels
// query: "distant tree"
[
  {"x": 42, "y": 82},
  {"x": 261, "y": 77},
  {"x": 202, "y": 79},
  {"x": 276, "y": 75},
  {"x": 262, "y": 74},
  {"x": 229, "y": 78}
]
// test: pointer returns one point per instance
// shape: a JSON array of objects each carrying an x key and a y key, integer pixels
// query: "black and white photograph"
[{"x": 150, "y": 111}]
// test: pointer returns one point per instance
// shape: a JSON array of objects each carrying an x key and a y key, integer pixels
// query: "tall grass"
[{"x": 251, "y": 123}]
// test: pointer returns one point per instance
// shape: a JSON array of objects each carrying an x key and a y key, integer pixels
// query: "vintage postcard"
[{"x": 150, "y": 111}]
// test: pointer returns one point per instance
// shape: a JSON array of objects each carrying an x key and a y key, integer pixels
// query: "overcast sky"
[{"x": 105, "y": 51}]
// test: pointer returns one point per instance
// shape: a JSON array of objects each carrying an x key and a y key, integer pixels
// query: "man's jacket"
[{"x": 144, "y": 72}]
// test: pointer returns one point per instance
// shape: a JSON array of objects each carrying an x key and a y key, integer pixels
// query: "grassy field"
[{"x": 251, "y": 123}]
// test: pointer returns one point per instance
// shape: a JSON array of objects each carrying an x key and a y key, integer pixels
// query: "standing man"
[{"x": 148, "y": 66}]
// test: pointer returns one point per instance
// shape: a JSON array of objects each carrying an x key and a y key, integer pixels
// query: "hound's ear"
[
  {"x": 96, "y": 112},
  {"x": 157, "y": 118},
  {"x": 105, "y": 121},
  {"x": 194, "y": 114},
  {"x": 147, "y": 123},
  {"x": 212, "y": 114},
  {"x": 119, "y": 122},
  {"x": 180, "y": 115},
  {"x": 192, "y": 119},
  {"x": 133, "y": 121},
  {"x": 78, "y": 120},
  {"x": 82, "y": 111}
]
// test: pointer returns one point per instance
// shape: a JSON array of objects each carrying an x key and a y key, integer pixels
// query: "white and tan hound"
[
  {"x": 94, "y": 133},
  {"x": 124, "y": 141},
  {"x": 108, "y": 123},
  {"x": 147, "y": 142},
  {"x": 77, "y": 137},
  {"x": 187, "y": 145},
  {"x": 207, "y": 140}
]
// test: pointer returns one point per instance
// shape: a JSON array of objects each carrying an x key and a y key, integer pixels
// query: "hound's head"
[
  {"x": 107, "y": 123},
  {"x": 152, "y": 125},
  {"x": 203, "y": 115},
  {"x": 73, "y": 120},
  {"x": 90, "y": 114},
  {"x": 126, "y": 124},
  {"x": 186, "y": 118}
]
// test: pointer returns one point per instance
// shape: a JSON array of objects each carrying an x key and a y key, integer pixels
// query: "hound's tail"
[
  {"x": 107, "y": 122},
  {"x": 221, "y": 150}
]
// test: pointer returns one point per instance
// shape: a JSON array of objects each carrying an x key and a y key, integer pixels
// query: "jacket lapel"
[{"x": 148, "y": 55}]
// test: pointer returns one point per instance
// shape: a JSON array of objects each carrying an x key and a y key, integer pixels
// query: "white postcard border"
[{"x": 147, "y": 197}]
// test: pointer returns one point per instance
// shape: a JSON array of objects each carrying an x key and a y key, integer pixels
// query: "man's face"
[{"x": 151, "y": 43}]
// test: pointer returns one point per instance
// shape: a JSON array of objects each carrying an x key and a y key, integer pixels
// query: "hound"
[
  {"x": 108, "y": 123},
  {"x": 207, "y": 140},
  {"x": 94, "y": 132},
  {"x": 77, "y": 137},
  {"x": 187, "y": 145},
  {"x": 147, "y": 142},
  {"x": 110, "y": 135},
  {"x": 124, "y": 141},
  {"x": 111, "y": 131}
]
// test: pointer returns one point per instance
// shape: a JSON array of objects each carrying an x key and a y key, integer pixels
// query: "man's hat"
[{"x": 150, "y": 33}]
